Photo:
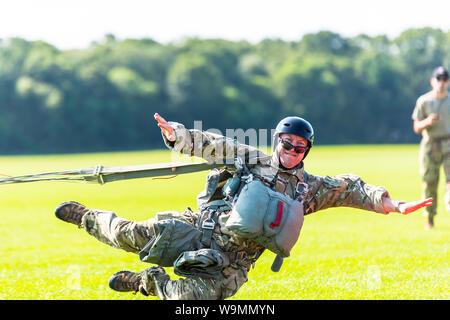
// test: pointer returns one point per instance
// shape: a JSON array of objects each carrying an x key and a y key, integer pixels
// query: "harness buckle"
[
  {"x": 301, "y": 190},
  {"x": 98, "y": 173},
  {"x": 208, "y": 225}
]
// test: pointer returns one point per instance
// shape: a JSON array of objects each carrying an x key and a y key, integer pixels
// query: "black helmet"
[{"x": 298, "y": 126}]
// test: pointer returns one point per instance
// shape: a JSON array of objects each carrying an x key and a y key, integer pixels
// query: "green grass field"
[{"x": 342, "y": 253}]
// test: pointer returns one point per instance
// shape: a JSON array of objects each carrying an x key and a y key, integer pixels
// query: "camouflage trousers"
[
  {"x": 132, "y": 236},
  {"x": 434, "y": 153}
]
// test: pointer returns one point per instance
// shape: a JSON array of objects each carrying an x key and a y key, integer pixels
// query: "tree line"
[{"x": 358, "y": 89}]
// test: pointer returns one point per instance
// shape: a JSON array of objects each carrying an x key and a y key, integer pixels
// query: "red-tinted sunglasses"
[{"x": 288, "y": 146}]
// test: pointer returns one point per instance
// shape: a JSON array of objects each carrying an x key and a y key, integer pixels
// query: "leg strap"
[{"x": 207, "y": 223}]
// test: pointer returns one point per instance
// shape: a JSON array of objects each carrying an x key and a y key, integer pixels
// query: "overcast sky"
[{"x": 75, "y": 24}]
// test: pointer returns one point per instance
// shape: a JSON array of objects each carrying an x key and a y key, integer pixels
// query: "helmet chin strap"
[
  {"x": 299, "y": 165},
  {"x": 280, "y": 165}
]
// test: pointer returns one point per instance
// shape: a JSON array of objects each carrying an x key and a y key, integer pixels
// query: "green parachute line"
[{"x": 100, "y": 174}]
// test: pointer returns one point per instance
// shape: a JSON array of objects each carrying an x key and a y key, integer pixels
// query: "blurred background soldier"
[{"x": 432, "y": 119}]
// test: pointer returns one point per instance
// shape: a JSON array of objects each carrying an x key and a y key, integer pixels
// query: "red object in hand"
[
  {"x": 165, "y": 127},
  {"x": 409, "y": 207}
]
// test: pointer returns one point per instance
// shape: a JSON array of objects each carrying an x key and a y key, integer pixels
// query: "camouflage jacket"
[{"x": 317, "y": 192}]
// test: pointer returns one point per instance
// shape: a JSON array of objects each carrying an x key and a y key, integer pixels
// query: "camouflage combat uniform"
[
  {"x": 434, "y": 147},
  {"x": 321, "y": 193}
]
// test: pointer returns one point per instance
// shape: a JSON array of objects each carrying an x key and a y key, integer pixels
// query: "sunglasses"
[
  {"x": 288, "y": 146},
  {"x": 442, "y": 78}
]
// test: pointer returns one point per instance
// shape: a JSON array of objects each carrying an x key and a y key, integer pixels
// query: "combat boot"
[
  {"x": 125, "y": 281},
  {"x": 71, "y": 212},
  {"x": 430, "y": 223}
]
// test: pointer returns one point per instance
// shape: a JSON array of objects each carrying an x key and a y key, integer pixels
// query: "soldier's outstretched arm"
[
  {"x": 350, "y": 191},
  {"x": 209, "y": 146}
]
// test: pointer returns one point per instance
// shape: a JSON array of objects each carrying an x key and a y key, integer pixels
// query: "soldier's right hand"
[
  {"x": 166, "y": 128},
  {"x": 433, "y": 118}
]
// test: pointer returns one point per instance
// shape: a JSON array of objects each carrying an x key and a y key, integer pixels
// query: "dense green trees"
[{"x": 353, "y": 90}]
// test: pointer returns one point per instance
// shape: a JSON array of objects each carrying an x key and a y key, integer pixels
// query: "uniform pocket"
[
  {"x": 203, "y": 263},
  {"x": 171, "y": 238}
]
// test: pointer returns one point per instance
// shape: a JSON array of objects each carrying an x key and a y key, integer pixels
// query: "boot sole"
[{"x": 59, "y": 208}]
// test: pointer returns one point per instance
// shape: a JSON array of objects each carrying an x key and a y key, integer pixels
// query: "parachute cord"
[{"x": 160, "y": 178}]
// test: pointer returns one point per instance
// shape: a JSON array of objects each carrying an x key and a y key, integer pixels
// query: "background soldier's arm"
[
  {"x": 421, "y": 118},
  {"x": 420, "y": 125}
]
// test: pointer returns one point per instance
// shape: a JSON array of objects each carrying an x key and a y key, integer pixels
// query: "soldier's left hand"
[{"x": 409, "y": 207}]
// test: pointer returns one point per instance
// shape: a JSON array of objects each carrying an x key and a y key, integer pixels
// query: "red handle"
[{"x": 277, "y": 221}]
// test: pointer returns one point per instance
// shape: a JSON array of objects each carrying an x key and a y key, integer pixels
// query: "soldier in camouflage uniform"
[
  {"x": 219, "y": 273},
  {"x": 431, "y": 117}
]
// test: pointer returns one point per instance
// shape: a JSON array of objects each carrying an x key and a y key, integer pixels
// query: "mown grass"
[{"x": 342, "y": 253}]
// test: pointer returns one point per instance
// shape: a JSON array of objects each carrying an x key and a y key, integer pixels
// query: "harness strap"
[
  {"x": 207, "y": 226},
  {"x": 276, "y": 265}
]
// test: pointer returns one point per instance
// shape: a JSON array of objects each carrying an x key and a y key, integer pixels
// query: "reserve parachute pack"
[
  {"x": 261, "y": 214},
  {"x": 267, "y": 217}
]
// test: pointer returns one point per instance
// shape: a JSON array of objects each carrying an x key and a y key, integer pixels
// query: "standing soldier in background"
[{"x": 432, "y": 119}]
